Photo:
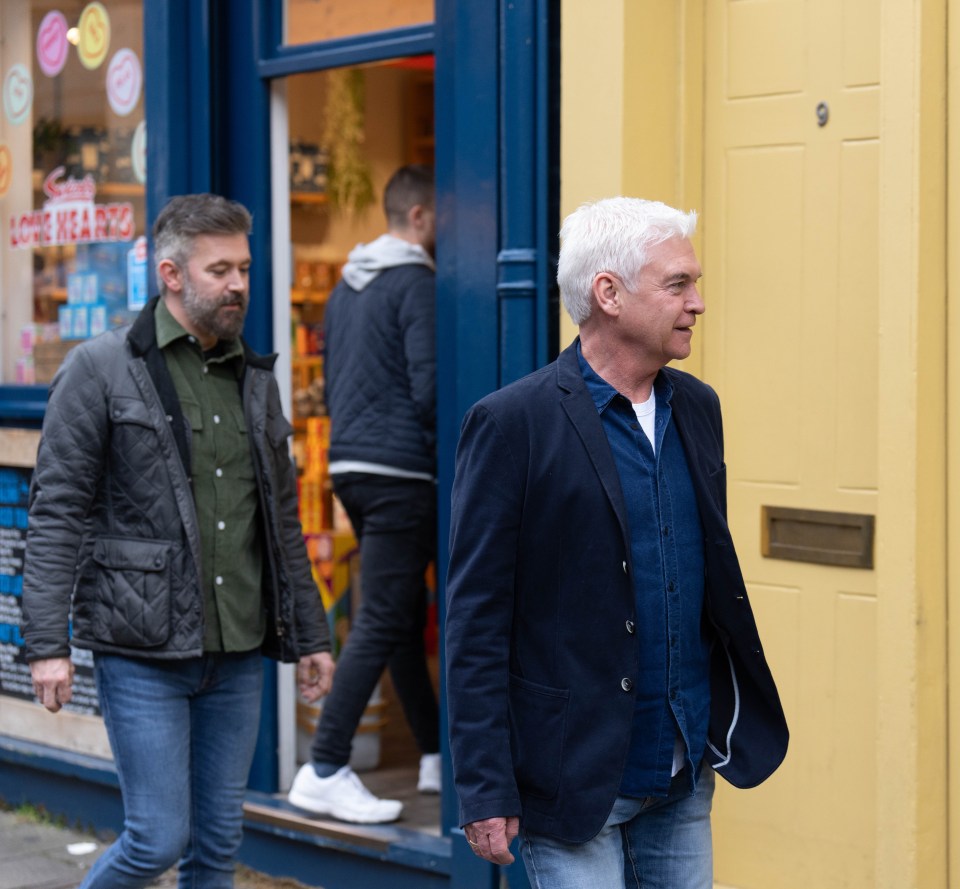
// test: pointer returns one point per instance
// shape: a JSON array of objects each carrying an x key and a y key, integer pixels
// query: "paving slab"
[{"x": 36, "y": 855}]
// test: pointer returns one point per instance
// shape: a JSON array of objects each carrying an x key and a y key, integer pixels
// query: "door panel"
[{"x": 790, "y": 237}]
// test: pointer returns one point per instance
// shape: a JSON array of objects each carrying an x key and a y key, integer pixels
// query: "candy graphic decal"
[
  {"x": 17, "y": 93},
  {"x": 94, "y": 35},
  {"x": 52, "y": 44},
  {"x": 6, "y": 169},
  {"x": 138, "y": 152},
  {"x": 124, "y": 81}
]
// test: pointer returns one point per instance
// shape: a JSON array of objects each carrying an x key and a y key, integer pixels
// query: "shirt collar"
[
  {"x": 600, "y": 390},
  {"x": 603, "y": 393}
]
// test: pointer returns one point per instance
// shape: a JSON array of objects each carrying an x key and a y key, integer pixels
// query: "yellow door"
[{"x": 790, "y": 254}]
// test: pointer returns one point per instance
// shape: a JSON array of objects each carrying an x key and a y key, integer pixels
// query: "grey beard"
[{"x": 204, "y": 315}]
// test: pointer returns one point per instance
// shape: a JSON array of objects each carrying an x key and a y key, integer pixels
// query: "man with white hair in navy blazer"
[{"x": 603, "y": 662}]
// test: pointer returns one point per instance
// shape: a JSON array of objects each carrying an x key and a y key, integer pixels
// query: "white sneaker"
[
  {"x": 342, "y": 795},
  {"x": 429, "y": 773}
]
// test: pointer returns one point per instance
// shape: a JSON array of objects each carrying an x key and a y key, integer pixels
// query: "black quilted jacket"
[
  {"x": 113, "y": 526},
  {"x": 380, "y": 370}
]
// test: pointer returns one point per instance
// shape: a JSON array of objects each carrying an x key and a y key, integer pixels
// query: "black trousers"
[{"x": 395, "y": 521}]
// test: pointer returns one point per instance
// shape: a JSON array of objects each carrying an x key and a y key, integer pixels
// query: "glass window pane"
[
  {"x": 72, "y": 174},
  {"x": 309, "y": 21}
]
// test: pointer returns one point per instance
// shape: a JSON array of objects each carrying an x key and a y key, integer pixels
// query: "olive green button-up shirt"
[{"x": 224, "y": 485}]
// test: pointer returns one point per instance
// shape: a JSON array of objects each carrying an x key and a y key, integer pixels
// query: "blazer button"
[
  {"x": 631, "y": 627},
  {"x": 626, "y": 684}
]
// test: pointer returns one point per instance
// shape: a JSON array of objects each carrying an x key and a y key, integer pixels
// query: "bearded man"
[{"x": 164, "y": 522}]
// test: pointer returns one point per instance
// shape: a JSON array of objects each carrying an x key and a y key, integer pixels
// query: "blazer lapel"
[
  {"x": 582, "y": 412},
  {"x": 691, "y": 422}
]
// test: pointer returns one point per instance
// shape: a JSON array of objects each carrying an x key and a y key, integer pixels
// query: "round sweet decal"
[
  {"x": 124, "y": 81},
  {"x": 17, "y": 93},
  {"x": 52, "y": 44},
  {"x": 6, "y": 169},
  {"x": 94, "y": 35},
  {"x": 138, "y": 152}
]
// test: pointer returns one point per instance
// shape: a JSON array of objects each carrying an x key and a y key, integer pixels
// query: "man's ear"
[
  {"x": 415, "y": 217},
  {"x": 171, "y": 275},
  {"x": 606, "y": 293}
]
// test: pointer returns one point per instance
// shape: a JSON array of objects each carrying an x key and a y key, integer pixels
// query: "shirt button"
[
  {"x": 221, "y": 525},
  {"x": 671, "y": 587},
  {"x": 219, "y": 472},
  {"x": 673, "y": 694},
  {"x": 626, "y": 684},
  {"x": 631, "y": 627},
  {"x": 216, "y": 418},
  {"x": 666, "y": 530},
  {"x": 192, "y": 339},
  {"x": 218, "y": 580},
  {"x": 206, "y": 369}
]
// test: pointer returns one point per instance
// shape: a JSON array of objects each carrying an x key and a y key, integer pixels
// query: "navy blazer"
[{"x": 540, "y": 609}]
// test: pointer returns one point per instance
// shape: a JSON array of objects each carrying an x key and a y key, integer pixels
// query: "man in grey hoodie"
[{"x": 379, "y": 370}]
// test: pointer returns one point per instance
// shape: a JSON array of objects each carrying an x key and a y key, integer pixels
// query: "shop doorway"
[{"x": 343, "y": 132}]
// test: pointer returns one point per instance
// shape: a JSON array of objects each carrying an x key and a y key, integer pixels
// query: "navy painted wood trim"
[
  {"x": 177, "y": 97},
  {"x": 241, "y": 144},
  {"x": 413, "y": 40},
  {"x": 467, "y": 305},
  {"x": 25, "y": 404},
  {"x": 529, "y": 186},
  {"x": 240, "y": 158}
]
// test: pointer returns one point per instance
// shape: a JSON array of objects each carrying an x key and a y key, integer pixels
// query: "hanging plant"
[{"x": 349, "y": 183}]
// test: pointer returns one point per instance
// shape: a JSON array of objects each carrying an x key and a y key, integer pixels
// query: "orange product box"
[{"x": 316, "y": 504}]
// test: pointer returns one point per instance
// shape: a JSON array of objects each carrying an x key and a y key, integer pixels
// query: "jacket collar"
[{"x": 143, "y": 337}]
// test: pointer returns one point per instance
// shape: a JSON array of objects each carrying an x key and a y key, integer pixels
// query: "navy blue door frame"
[{"x": 209, "y": 67}]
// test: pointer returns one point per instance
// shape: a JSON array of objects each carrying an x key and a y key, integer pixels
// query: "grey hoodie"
[{"x": 367, "y": 261}]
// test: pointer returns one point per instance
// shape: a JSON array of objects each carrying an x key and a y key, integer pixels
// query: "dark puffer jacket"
[
  {"x": 379, "y": 367},
  {"x": 113, "y": 526}
]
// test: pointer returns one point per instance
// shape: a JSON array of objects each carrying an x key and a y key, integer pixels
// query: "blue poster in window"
[
  {"x": 14, "y": 489},
  {"x": 137, "y": 275},
  {"x": 15, "y": 678}
]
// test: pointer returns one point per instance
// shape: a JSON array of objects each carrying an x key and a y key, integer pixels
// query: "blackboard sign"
[{"x": 15, "y": 678}]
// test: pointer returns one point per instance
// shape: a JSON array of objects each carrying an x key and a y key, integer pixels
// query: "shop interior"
[
  {"x": 350, "y": 129},
  {"x": 82, "y": 143}
]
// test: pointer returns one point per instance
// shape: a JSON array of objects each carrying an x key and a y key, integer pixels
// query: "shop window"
[
  {"x": 309, "y": 21},
  {"x": 72, "y": 174}
]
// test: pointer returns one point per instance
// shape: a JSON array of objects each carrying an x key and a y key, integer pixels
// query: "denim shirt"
[{"x": 666, "y": 554}]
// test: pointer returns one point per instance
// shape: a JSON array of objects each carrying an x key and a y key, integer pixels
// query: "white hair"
[{"x": 612, "y": 235}]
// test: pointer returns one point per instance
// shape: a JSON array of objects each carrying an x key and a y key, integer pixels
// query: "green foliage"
[{"x": 349, "y": 183}]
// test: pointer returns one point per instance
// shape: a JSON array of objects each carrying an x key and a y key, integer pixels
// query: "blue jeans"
[
  {"x": 653, "y": 843},
  {"x": 183, "y": 735},
  {"x": 395, "y": 520}
]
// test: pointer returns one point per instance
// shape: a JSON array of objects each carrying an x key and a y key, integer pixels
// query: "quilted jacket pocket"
[
  {"x": 538, "y": 716},
  {"x": 132, "y": 606}
]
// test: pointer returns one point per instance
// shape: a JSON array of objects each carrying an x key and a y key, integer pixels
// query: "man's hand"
[
  {"x": 315, "y": 675},
  {"x": 53, "y": 681},
  {"x": 491, "y": 838}
]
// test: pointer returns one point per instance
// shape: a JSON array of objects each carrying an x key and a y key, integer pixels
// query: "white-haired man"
[{"x": 602, "y": 658}]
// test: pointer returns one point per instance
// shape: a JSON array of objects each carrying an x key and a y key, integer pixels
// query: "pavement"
[{"x": 37, "y": 854}]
